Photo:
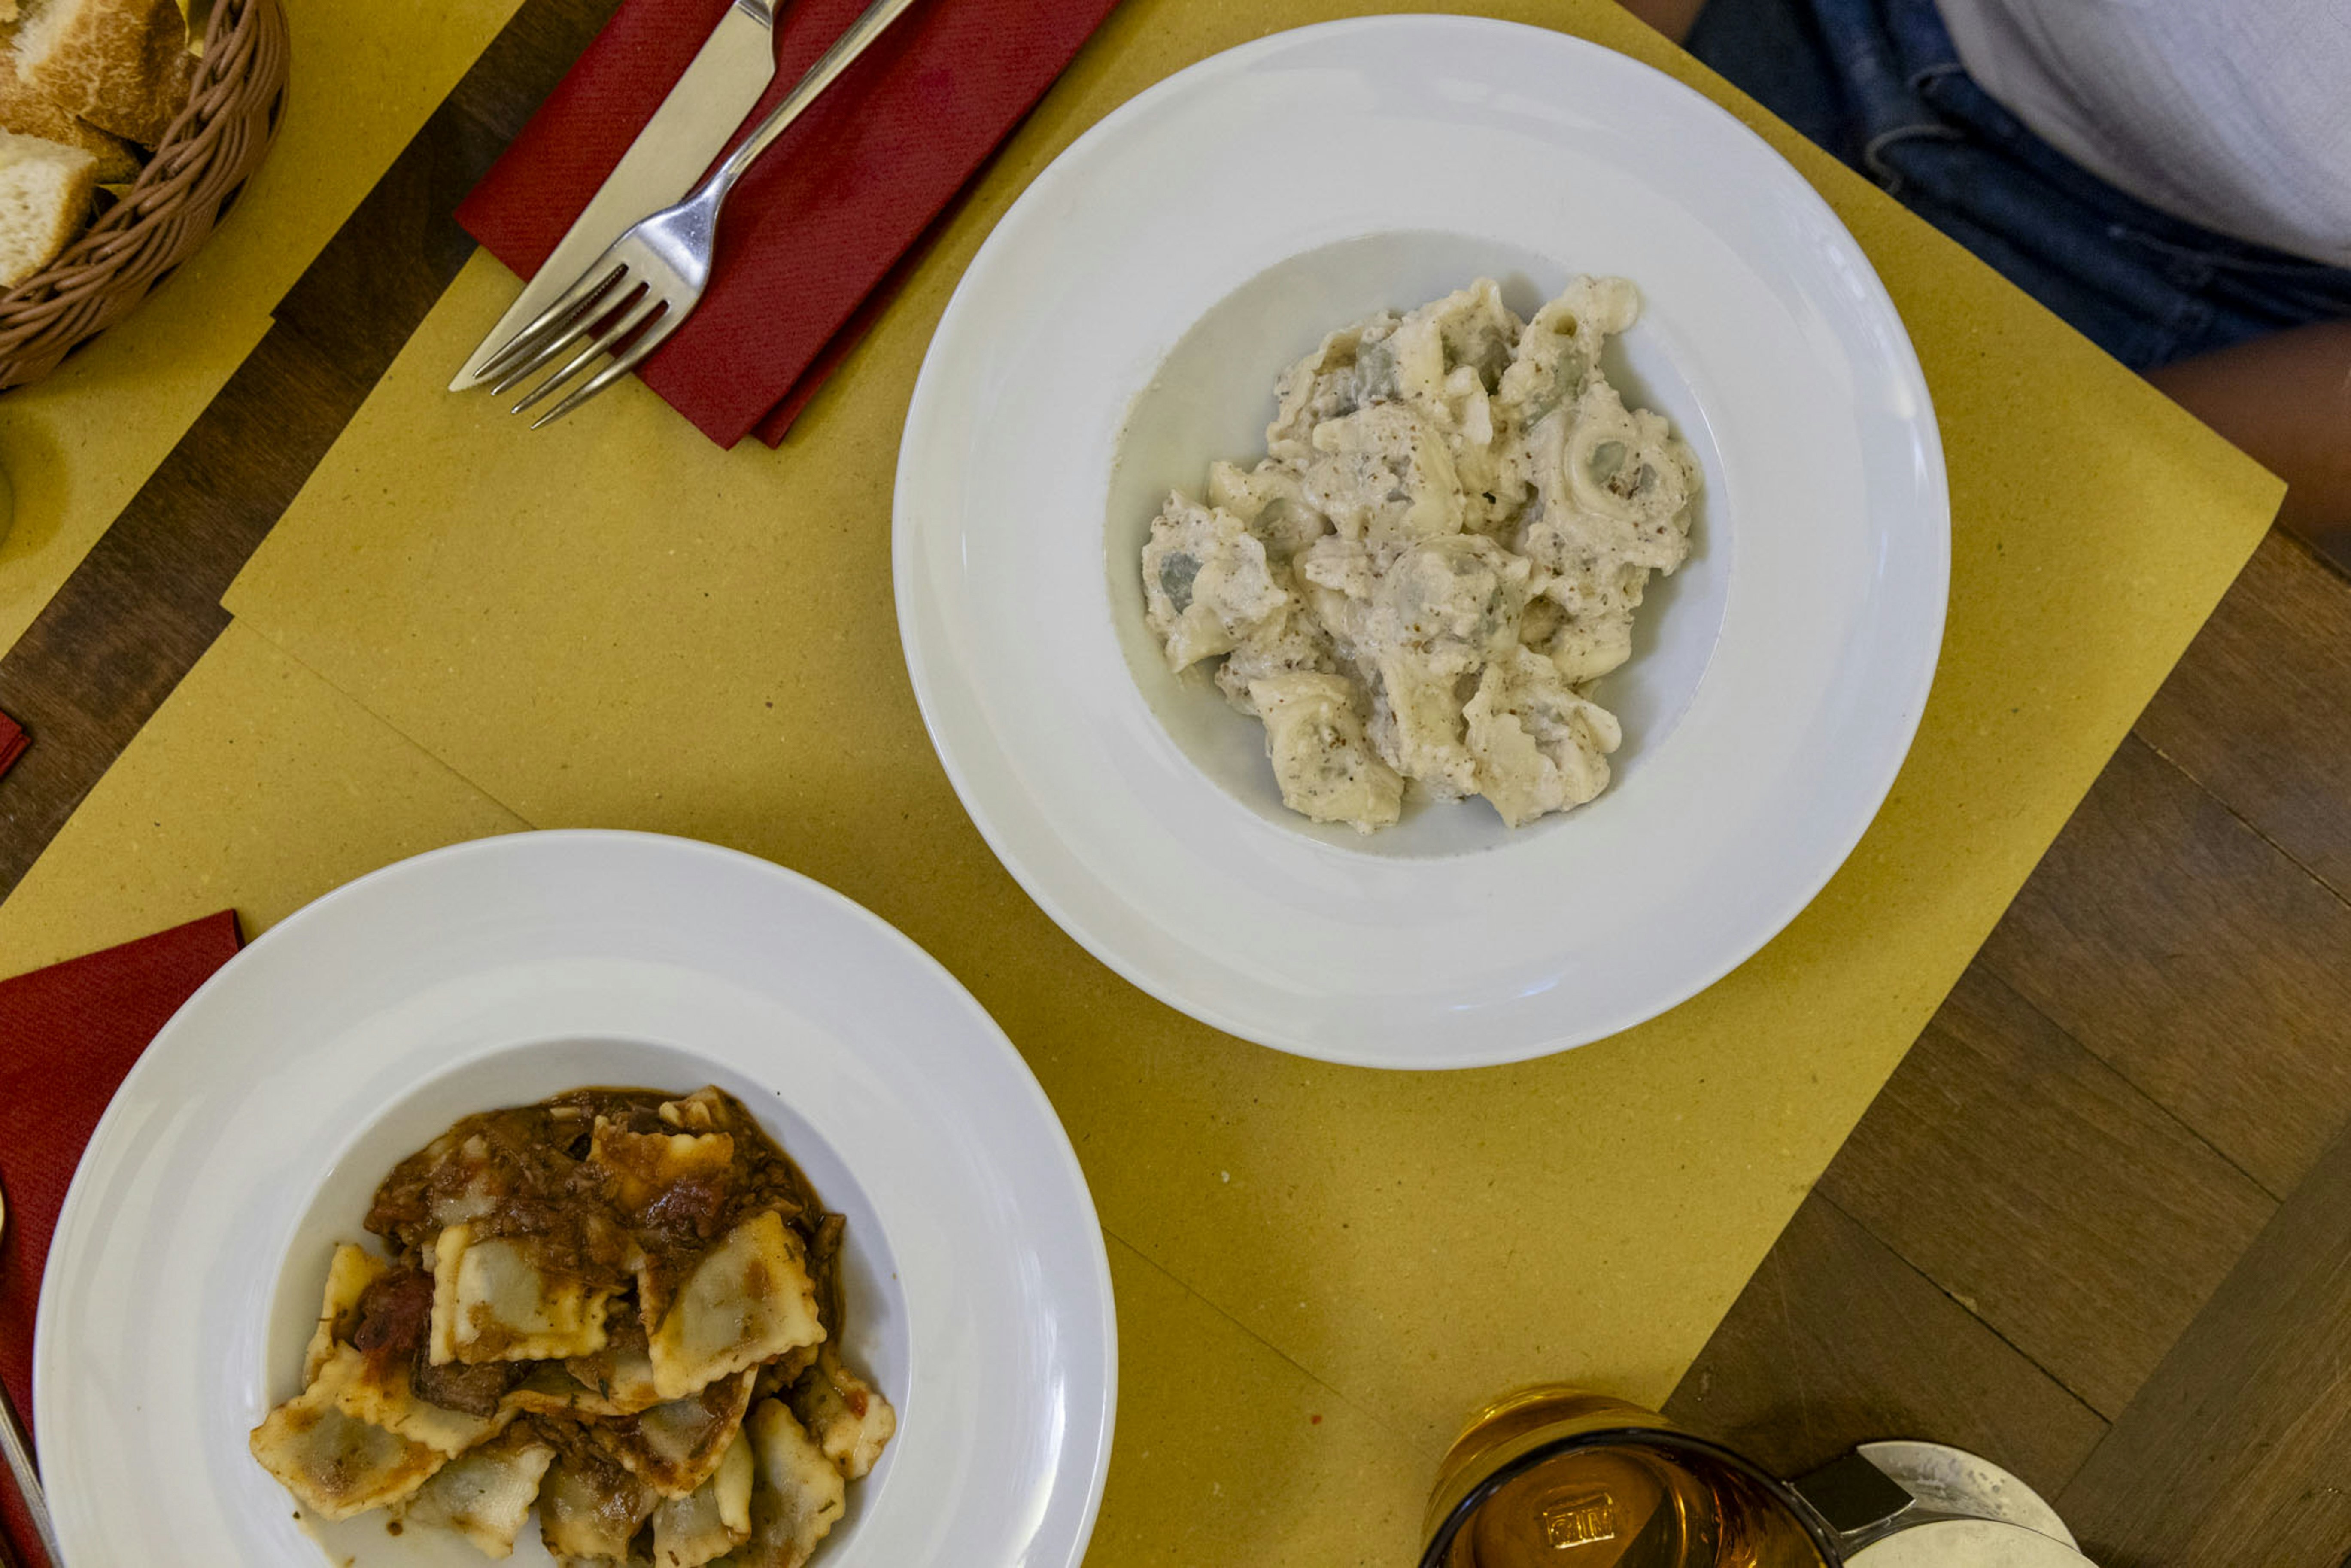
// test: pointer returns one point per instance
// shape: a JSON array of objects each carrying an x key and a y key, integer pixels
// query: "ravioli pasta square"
[
  {"x": 643, "y": 1167},
  {"x": 748, "y": 1302},
  {"x": 574, "y": 1387},
  {"x": 711, "y": 1519},
  {"x": 797, "y": 1495},
  {"x": 335, "y": 1465},
  {"x": 492, "y": 1303},
  {"x": 384, "y": 1394},
  {"x": 840, "y": 1411},
  {"x": 590, "y": 1508},
  {"x": 349, "y": 1274},
  {"x": 674, "y": 1448},
  {"x": 497, "y": 1357},
  {"x": 485, "y": 1495},
  {"x": 1441, "y": 553}
]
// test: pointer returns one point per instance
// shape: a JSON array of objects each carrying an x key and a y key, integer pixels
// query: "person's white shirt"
[{"x": 2234, "y": 114}]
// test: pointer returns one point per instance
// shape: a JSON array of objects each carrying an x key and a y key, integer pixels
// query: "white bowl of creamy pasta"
[{"x": 1126, "y": 328}]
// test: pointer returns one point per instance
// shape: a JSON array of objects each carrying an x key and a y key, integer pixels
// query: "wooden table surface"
[{"x": 2098, "y": 1226}]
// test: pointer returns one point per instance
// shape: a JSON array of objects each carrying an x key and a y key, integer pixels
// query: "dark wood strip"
[
  {"x": 144, "y": 604},
  {"x": 2196, "y": 959},
  {"x": 2259, "y": 712},
  {"x": 2237, "y": 1451},
  {"x": 1837, "y": 1341},
  {"x": 2332, "y": 546},
  {"x": 2034, "y": 1185},
  {"x": 390, "y": 263}
]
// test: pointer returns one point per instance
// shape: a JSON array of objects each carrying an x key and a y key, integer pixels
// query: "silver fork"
[
  {"x": 630, "y": 299},
  {"x": 17, "y": 1448}
]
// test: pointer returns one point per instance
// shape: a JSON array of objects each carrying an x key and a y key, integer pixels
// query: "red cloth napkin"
[
  {"x": 818, "y": 223},
  {"x": 68, "y": 1035},
  {"x": 13, "y": 741}
]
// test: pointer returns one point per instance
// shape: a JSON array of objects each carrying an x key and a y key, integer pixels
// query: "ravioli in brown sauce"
[{"x": 618, "y": 1305}]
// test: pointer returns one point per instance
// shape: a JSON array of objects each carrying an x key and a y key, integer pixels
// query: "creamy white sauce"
[{"x": 1442, "y": 549}]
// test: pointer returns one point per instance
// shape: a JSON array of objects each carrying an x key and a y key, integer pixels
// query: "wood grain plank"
[
  {"x": 391, "y": 262},
  {"x": 144, "y": 605},
  {"x": 2237, "y": 1451},
  {"x": 2196, "y": 959},
  {"x": 2034, "y": 1184},
  {"x": 1836, "y": 1341},
  {"x": 2332, "y": 545},
  {"x": 2259, "y": 711}
]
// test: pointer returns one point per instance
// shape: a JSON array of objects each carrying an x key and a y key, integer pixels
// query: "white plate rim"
[
  {"x": 52, "y": 1347},
  {"x": 906, "y": 556}
]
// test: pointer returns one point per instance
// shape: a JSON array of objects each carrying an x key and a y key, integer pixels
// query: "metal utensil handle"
[
  {"x": 19, "y": 1451},
  {"x": 846, "y": 48}
]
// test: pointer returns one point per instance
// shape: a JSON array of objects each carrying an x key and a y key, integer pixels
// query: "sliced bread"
[
  {"x": 121, "y": 65},
  {"x": 45, "y": 195},
  {"x": 27, "y": 113}
]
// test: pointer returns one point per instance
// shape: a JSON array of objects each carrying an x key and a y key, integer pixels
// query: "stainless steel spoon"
[{"x": 18, "y": 1450}]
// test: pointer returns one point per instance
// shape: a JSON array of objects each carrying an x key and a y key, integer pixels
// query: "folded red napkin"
[
  {"x": 817, "y": 226},
  {"x": 68, "y": 1035},
  {"x": 13, "y": 741}
]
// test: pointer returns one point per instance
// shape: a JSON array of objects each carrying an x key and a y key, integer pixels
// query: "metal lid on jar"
[
  {"x": 1944, "y": 1479},
  {"x": 1945, "y": 1508},
  {"x": 1968, "y": 1543}
]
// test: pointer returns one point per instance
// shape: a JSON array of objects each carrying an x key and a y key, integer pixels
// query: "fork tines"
[{"x": 608, "y": 311}]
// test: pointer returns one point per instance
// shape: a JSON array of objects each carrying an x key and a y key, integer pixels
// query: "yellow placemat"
[
  {"x": 259, "y": 786},
  {"x": 611, "y": 622},
  {"x": 78, "y": 445},
  {"x": 1229, "y": 1454},
  {"x": 256, "y": 787}
]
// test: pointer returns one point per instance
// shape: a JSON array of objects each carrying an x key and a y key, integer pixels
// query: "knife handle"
[{"x": 861, "y": 33}]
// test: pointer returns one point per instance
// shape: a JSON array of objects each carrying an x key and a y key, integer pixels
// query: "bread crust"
[
  {"x": 121, "y": 65},
  {"x": 61, "y": 222},
  {"x": 27, "y": 113}
]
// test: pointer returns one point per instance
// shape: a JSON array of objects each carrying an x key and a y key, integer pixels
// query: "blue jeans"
[{"x": 1879, "y": 83}]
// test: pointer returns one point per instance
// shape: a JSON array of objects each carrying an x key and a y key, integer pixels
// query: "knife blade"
[{"x": 730, "y": 74}]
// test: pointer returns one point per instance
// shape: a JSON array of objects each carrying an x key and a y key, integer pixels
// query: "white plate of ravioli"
[
  {"x": 582, "y": 1197},
  {"x": 1421, "y": 541}
]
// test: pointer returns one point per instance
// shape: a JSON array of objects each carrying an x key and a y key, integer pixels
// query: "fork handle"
[
  {"x": 861, "y": 33},
  {"x": 19, "y": 1450}
]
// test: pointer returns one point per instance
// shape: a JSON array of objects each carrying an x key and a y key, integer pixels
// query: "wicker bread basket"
[{"x": 204, "y": 161}]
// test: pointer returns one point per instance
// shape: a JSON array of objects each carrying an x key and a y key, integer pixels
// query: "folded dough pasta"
[
  {"x": 843, "y": 1416},
  {"x": 604, "y": 1305},
  {"x": 336, "y": 1465},
  {"x": 1442, "y": 550},
  {"x": 589, "y": 1506},
  {"x": 711, "y": 1519},
  {"x": 485, "y": 1494},
  {"x": 674, "y": 1446},
  {"x": 351, "y": 1271},
  {"x": 750, "y": 1300},
  {"x": 492, "y": 1301},
  {"x": 382, "y": 1391},
  {"x": 797, "y": 1494}
]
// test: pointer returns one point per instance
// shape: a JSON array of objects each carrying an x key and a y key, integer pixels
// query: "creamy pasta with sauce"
[{"x": 1441, "y": 551}]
